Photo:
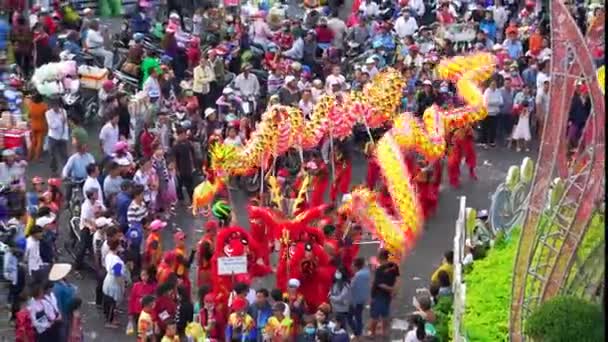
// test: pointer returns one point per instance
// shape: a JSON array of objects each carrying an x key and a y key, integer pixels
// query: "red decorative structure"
[{"x": 551, "y": 237}]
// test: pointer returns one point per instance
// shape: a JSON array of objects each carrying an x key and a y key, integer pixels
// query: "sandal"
[{"x": 112, "y": 325}]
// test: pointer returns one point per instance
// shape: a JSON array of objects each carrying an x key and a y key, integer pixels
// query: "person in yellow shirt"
[
  {"x": 447, "y": 265},
  {"x": 278, "y": 327},
  {"x": 240, "y": 324},
  {"x": 171, "y": 332},
  {"x": 145, "y": 325}
]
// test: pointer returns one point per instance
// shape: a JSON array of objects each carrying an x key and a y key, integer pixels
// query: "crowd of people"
[{"x": 222, "y": 75}]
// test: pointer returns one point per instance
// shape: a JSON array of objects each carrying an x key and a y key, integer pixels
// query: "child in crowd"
[
  {"x": 145, "y": 324},
  {"x": 146, "y": 286},
  {"x": 171, "y": 332},
  {"x": 521, "y": 133}
]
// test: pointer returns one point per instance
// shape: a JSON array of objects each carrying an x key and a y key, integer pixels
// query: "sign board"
[{"x": 232, "y": 265}]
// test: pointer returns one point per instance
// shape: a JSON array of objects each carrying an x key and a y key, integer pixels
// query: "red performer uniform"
[
  {"x": 344, "y": 170},
  {"x": 153, "y": 250},
  {"x": 183, "y": 260},
  {"x": 212, "y": 319},
  {"x": 427, "y": 189},
  {"x": 461, "y": 145},
  {"x": 319, "y": 182},
  {"x": 204, "y": 249}
]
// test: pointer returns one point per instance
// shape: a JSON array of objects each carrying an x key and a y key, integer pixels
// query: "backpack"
[{"x": 135, "y": 236}]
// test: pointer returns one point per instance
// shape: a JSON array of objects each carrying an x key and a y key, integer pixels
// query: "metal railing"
[{"x": 458, "y": 287}]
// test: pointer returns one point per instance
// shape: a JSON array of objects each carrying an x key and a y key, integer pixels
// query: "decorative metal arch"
[{"x": 550, "y": 238}]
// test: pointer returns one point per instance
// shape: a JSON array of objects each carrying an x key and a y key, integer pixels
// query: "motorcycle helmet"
[
  {"x": 221, "y": 210},
  {"x": 138, "y": 37}
]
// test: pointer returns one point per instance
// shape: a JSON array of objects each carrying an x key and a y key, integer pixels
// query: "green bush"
[
  {"x": 563, "y": 319},
  {"x": 443, "y": 311},
  {"x": 488, "y": 293}
]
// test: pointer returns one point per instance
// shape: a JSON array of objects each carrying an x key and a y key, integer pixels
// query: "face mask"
[
  {"x": 309, "y": 330},
  {"x": 338, "y": 275}
]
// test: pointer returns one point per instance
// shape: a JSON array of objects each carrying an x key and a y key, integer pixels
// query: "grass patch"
[{"x": 488, "y": 298}]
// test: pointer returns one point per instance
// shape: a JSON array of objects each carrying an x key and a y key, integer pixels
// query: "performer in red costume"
[
  {"x": 212, "y": 319},
  {"x": 230, "y": 242},
  {"x": 310, "y": 264},
  {"x": 427, "y": 187},
  {"x": 319, "y": 183},
  {"x": 461, "y": 144},
  {"x": 183, "y": 260},
  {"x": 344, "y": 171},
  {"x": 205, "y": 253}
]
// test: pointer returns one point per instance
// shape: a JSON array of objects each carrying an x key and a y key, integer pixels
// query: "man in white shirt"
[
  {"x": 12, "y": 171},
  {"x": 405, "y": 25},
  {"x": 58, "y": 134},
  {"x": 151, "y": 85},
  {"x": 32, "y": 252},
  {"x": 89, "y": 210},
  {"x": 335, "y": 78},
  {"x": 108, "y": 136},
  {"x": 247, "y": 83},
  {"x": 92, "y": 182},
  {"x": 95, "y": 45}
]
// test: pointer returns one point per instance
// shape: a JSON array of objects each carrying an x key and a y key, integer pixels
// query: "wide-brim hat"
[{"x": 59, "y": 271}]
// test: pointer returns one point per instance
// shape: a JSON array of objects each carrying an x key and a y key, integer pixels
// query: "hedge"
[
  {"x": 565, "y": 319},
  {"x": 488, "y": 296}
]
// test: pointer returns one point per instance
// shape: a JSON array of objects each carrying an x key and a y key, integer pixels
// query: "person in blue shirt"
[
  {"x": 4, "y": 32},
  {"x": 64, "y": 291},
  {"x": 513, "y": 45},
  {"x": 140, "y": 23},
  {"x": 123, "y": 200},
  {"x": 360, "y": 289},
  {"x": 71, "y": 44},
  {"x": 260, "y": 311},
  {"x": 76, "y": 167},
  {"x": 488, "y": 25}
]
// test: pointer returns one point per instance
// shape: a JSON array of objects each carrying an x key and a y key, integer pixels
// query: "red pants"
[
  {"x": 342, "y": 182},
  {"x": 428, "y": 196},
  {"x": 463, "y": 149},
  {"x": 373, "y": 172}
]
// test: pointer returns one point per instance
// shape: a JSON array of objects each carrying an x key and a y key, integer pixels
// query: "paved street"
[{"x": 416, "y": 269}]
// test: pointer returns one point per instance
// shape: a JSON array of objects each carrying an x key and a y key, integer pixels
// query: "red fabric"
[
  {"x": 373, "y": 173},
  {"x": 194, "y": 55},
  {"x": 24, "y": 330},
  {"x": 138, "y": 291},
  {"x": 344, "y": 171},
  {"x": 146, "y": 139},
  {"x": 162, "y": 304},
  {"x": 204, "y": 247},
  {"x": 217, "y": 331},
  {"x": 283, "y": 40},
  {"x": 324, "y": 35},
  {"x": 319, "y": 184},
  {"x": 49, "y": 24},
  {"x": 462, "y": 146}
]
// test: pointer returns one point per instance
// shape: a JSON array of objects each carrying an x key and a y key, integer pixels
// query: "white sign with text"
[{"x": 232, "y": 265}]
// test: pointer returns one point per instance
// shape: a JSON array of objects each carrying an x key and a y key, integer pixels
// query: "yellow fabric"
[
  {"x": 279, "y": 329},
  {"x": 444, "y": 267}
]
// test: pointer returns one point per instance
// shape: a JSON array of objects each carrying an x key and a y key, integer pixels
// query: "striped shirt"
[{"x": 136, "y": 212}]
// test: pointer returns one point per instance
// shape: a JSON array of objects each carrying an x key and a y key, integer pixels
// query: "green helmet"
[{"x": 221, "y": 210}]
